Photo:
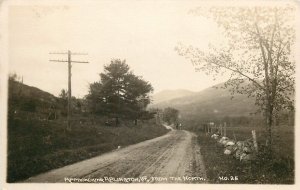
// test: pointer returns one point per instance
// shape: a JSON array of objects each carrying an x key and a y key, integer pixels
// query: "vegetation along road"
[{"x": 175, "y": 155}]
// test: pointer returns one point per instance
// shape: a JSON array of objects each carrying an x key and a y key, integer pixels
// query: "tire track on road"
[{"x": 173, "y": 155}]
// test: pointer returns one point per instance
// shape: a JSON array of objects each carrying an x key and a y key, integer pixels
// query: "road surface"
[{"x": 172, "y": 158}]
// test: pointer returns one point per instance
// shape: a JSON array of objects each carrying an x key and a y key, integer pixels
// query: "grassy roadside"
[
  {"x": 36, "y": 146},
  {"x": 222, "y": 168}
]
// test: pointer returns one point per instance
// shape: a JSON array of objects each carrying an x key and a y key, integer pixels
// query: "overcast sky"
[{"x": 142, "y": 32}]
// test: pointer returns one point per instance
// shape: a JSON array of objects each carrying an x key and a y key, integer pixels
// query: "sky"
[{"x": 144, "y": 33}]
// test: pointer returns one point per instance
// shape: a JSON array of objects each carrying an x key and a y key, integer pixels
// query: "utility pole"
[{"x": 69, "y": 61}]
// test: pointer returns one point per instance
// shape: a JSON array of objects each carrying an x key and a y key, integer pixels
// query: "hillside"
[
  {"x": 19, "y": 91},
  {"x": 211, "y": 102},
  {"x": 166, "y": 95},
  {"x": 38, "y": 143},
  {"x": 32, "y": 101}
]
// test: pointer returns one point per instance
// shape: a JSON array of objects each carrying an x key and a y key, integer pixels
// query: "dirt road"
[{"x": 172, "y": 158}]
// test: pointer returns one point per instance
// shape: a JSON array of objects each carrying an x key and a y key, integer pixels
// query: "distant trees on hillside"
[
  {"x": 119, "y": 93},
  {"x": 170, "y": 115},
  {"x": 259, "y": 50}
]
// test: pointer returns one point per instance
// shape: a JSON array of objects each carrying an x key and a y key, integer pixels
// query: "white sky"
[{"x": 142, "y": 32}]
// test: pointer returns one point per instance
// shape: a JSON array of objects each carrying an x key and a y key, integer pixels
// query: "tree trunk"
[{"x": 269, "y": 129}]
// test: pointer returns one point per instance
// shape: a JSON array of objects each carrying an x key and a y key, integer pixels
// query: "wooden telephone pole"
[{"x": 69, "y": 61}]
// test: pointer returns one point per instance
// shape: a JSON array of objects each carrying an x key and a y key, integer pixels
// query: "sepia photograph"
[{"x": 148, "y": 92}]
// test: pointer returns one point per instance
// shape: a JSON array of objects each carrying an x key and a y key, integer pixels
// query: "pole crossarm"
[
  {"x": 79, "y": 61},
  {"x": 53, "y": 60},
  {"x": 67, "y": 61},
  {"x": 65, "y": 53},
  {"x": 79, "y": 53}
]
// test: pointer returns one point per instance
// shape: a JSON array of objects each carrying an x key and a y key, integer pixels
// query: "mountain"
[
  {"x": 213, "y": 102},
  {"x": 167, "y": 95}
]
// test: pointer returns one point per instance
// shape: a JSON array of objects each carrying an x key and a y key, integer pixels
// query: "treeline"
[{"x": 170, "y": 115}]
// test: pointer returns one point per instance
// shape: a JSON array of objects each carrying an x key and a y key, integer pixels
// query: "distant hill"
[
  {"x": 209, "y": 103},
  {"x": 167, "y": 95}
]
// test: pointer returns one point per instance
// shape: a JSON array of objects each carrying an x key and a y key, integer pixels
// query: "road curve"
[{"x": 171, "y": 156}]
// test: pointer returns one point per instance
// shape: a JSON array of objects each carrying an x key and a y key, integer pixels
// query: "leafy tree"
[
  {"x": 119, "y": 93},
  {"x": 258, "y": 55},
  {"x": 94, "y": 98},
  {"x": 64, "y": 100},
  {"x": 136, "y": 97},
  {"x": 170, "y": 115},
  {"x": 76, "y": 104}
]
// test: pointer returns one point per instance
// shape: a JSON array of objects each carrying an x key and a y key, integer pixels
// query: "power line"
[{"x": 69, "y": 61}]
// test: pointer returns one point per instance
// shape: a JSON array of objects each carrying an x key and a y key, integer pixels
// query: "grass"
[
  {"x": 265, "y": 170},
  {"x": 283, "y": 137},
  {"x": 36, "y": 146}
]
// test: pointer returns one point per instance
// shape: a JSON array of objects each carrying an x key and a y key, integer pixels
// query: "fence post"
[
  {"x": 254, "y": 140},
  {"x": 215, "y": 130},
  {"x": 234, "y": 135},
  {"x": 208, "y": 128}
]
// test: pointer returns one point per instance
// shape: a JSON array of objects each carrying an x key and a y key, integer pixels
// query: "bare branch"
[{"x": 241, "y": 73}]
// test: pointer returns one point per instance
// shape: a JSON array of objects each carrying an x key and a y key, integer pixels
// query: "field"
[
  {"x": 36, "y": 146},
  {"x": 264, "y": 170}
]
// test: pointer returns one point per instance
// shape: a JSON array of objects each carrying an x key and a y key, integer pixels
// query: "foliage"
[
  {"x": 258, "y": 55},
  {"x": 14, "y": 77},
  {"x": 64, "y": 100},
  {"x": 64, "y": 97},
  {"x": 119, "y": 93},
  {"x": 76, "y": 103},
  {"x": 170, "y": 115}
]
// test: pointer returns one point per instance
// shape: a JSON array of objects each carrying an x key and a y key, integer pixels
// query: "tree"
[
  {"x": 13, "y": 77},
  {"x": 170, "y": 115},
  {"x": 119, "y": 93},
  {"x": 136, "y": 96},
  {"x": 64, "y": 100},
  {"x": 258, "y": 55}
]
